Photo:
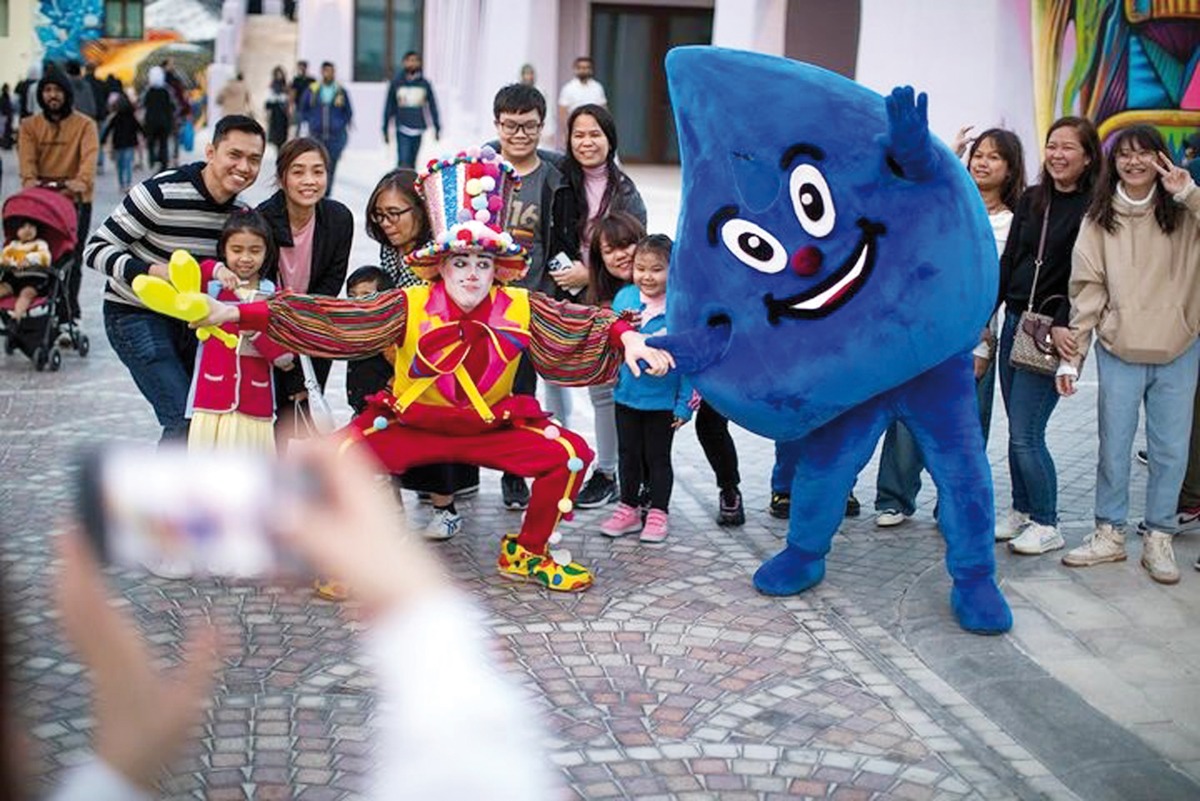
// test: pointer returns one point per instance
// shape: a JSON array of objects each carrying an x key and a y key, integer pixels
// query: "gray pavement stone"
[{"x": 694, "y": 687}]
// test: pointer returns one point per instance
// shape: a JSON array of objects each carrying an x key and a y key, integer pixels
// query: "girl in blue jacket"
[{"x": 648, "y": 408}]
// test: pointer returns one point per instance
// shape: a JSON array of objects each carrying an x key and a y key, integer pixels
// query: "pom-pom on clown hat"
[{"x": 466, "y": 197}]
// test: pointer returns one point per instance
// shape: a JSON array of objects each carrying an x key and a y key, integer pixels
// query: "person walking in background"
[
  {"x": 327, "y": 112},
  {"x": 234, "y": 98},
  {"x": 278, "y": 108},
  {"x": 8, "y": 118},
  {"x": 181, "y": 105},
  {"x": 59, "y": 148},
  {"x": 409, "y": 98},
  {"x": 581, "y": 90},
  {"x": 1034, "y": 272},
  {"x": 126, "y": 131},
  {"x": 299, "y": 86},
  {"x": 158, "y": 119},
  {"x": 1134, "y": 277}
]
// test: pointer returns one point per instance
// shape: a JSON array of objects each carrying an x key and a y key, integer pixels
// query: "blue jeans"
[
  {"x": 406, "y": 150},
  {"x": 125, "y": 167},
  {"x": 1029, "y": 399},
  {"x": 158, "y": 352},
  {"x": 901, "y": 463},
  {"x": 1167, "y": 391}
]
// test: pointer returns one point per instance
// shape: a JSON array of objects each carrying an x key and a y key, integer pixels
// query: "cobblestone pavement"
[{"x": 672, "y": 677}]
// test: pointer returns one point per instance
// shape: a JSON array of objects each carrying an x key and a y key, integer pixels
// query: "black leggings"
[
  {"x": 712, "y": 429},
  {"x": 645, "y": 438}
]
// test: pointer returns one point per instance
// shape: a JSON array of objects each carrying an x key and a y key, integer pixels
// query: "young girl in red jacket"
[{"x": 232, "y": 404}]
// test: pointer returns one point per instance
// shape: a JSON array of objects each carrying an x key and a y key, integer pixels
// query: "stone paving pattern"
[{"x": 671, "y": 677}]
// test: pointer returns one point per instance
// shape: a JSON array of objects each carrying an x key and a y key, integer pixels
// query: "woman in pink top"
[{"x": 313, "y": 234}]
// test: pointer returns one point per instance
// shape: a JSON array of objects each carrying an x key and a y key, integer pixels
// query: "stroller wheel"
[
  {"x": 55, "y": 359},
  {"x": 40, "y": 357},
  {"x": 84, "y": 345}
]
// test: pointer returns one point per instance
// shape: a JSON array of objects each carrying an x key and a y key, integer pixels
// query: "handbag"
[
  {"x": 320, "y": 413},
  {"x": 1033, "y": 346}
]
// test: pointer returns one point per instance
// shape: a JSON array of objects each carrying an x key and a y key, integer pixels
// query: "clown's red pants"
[{"x": 525, "y": 449}]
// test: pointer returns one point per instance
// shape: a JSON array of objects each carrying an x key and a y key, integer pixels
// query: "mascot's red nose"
[{"x": 806, "y": 261}]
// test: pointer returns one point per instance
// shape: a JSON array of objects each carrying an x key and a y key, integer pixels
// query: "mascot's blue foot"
[
  {"x": 789, "y": 572},
  {"x": 979, "y": 606}
]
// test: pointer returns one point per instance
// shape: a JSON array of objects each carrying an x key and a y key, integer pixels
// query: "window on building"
[
  {"x": 3, "y": 17},
  {"x": 123, "y": 18},
  {"x": 384, "y": 30}
]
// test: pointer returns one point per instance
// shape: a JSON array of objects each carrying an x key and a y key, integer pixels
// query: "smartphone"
[
  {"x": 560, "y": 262},
  {"x": 212, "y": 511}
]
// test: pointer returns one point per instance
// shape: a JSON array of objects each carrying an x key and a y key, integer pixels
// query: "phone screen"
[{"x": 211, "y": 511}]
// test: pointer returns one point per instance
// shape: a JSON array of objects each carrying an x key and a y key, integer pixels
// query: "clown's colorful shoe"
[
  {"x": 518, "y": 562},
  {"x": 331, "y": 589}
]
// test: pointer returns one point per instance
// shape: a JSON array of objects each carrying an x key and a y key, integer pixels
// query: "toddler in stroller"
[{"x": 39, "y": 225}]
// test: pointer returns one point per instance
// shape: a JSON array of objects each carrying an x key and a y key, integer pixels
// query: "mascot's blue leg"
[
  {"x": 941, "y": 410},
  {"x": 827, "y": 462}
]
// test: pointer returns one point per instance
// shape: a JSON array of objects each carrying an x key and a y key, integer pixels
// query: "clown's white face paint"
[{"x": 468, "y": 278}]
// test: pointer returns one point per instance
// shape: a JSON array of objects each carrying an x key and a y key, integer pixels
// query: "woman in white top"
[{"x": 996, "y": 162}]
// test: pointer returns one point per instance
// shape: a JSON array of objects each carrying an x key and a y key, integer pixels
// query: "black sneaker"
[
  {"x": 515, "y": 492},
  {"x": 731, "y": 513},
  {"x": 1143, "y": 457},
  {"x": 781, "y": 505},
  {"x": 600, "y": 490},
  {"x": 853, "y": 507}
]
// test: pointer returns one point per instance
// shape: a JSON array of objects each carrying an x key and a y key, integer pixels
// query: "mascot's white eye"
[
  {"x": 753, "y": 246},
  {"x": 812, "y": 201}
]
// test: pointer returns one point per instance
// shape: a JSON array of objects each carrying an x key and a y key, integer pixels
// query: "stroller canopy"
[{"x": 53, "y": 213}]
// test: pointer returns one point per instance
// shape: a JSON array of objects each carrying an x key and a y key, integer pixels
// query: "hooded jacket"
[
  {"x": 59, "y": 146},
  {"x": 1137, "y": 287}
]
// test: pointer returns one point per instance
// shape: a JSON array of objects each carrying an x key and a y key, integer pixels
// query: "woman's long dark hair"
[
  {"x": 619, "y": 229},
  {"x": 404, "y": 181},
  {"x": 573, "y": 170},
  {"x": 1166, "y": 210},
  {"x": 1091, "y": 147},
  {"x": 1008, "y": 145}
]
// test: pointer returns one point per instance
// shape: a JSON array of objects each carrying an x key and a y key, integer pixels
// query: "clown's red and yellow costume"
[{"x": 451, "y": 398}]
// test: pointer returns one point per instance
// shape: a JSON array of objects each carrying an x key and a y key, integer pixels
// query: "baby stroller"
[{"x": 38, "y": 335}]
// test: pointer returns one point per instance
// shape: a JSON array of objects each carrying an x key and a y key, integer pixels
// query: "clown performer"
[{"x": 458, "y": 342}]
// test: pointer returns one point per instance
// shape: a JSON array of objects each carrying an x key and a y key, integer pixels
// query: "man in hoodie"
[
  {"x": 58, "y": 148},
  {"x": 327, "y": 112},
  {"x": 409, "y": 94}
]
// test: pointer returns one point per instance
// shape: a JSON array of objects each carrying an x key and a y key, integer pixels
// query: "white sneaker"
[
  {"x": 1011, "y": 526},
  {"x": 1036, "y": 539},
  {"x": 169, "y": 567},
  {"x": 443, "y": 525},
  {"x": 1105, "y": 544},
  {"x": 1158, "y": 557},
  {"x": 889, "y": 518}
]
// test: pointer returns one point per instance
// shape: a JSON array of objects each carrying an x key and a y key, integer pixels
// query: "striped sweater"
[
  {"x": 170, "y": 211},
  {"x": 568, "y": 343}
]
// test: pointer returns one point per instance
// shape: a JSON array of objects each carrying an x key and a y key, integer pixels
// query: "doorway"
[{"x": 629, "y": 44}]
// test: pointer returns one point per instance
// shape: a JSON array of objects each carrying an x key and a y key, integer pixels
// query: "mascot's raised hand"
[{"x": 833, "y": 268}]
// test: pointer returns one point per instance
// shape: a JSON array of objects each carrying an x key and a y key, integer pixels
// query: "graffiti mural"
[
  {"x": 63, "y": 26},
  {"x": 1119, "y": 63}
]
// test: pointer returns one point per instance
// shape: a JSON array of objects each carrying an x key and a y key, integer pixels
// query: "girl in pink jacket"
[{"x": 232, "y": 403}]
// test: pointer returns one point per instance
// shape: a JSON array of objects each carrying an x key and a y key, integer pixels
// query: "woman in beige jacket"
[{"x": 1135, "y": 282}]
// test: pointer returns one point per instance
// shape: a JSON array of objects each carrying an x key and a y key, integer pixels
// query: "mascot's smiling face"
[{"x": 826, "y": 274}]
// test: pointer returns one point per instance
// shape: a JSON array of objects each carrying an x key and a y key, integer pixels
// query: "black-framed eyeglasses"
[
  {"x": 527, "y": 128},
  {"x": 391, "y": 215}
]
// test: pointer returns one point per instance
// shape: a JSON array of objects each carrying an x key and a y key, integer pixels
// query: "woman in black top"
[
  {"x": 1057, "y": 203},
  {"x": 277, "y": 108},
  {"x": 313, "y": 234}
]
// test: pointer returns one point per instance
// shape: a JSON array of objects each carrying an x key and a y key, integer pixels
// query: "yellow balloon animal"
[{"x": 181, "y": 297}]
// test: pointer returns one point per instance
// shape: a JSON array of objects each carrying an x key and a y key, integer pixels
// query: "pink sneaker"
[
  {"x": 625, "y": 520},
  {"x": 655, "y": 530}
]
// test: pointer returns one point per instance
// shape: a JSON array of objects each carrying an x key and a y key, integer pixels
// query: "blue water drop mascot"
[{"x": 834, "y": 268}]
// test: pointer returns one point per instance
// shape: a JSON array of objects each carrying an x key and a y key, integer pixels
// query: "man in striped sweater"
[{"x": 183, "y": 208}]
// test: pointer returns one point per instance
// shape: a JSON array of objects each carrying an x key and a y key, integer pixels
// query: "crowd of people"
[{"x": 507, "y": 266}]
